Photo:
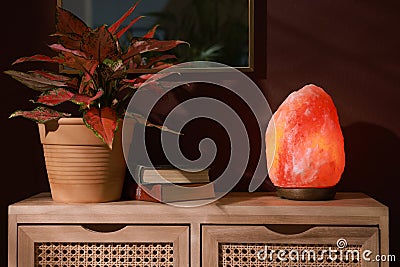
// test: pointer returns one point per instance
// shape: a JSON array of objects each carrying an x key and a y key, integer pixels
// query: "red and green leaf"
[
  {"x": 34, "y": 81},
  {"x": 154, "y": 60},
  {"x": 131, "y": 83},
  {"x": 79, "y": 63},
  {"x": 87, "y": 66},
  {"x": 70, "y": 29},
  {"x": 125, "y": 29},
  {"x": 40, "y": 114},
  {"x": 139, "y": 81},
  {"x": 103, "y": 122},
  {"x": 51, "y": 76},
  {"x": 156, "y": 76},
  {"x": 70, "y": 41},
  {"x": 67, "y": 23},
  {"x": 40, "y": 58},
  {"x": 83, "y": 49},
  {"x": 162, "y": 65},
  {"x": 87, "y": 84},
  {"x": 151, "y": 33},
  {"x": 85, "y": 100},
  {"x": 61, "y": 48},
  {"x": 139, "y": 46},
  {"x": 142, "y": 120},
  {"x": 152, "y": 82},
  {"x": 55, "y": 97},
  {"x": 146, "y": 76},
  {"x": 100, "y": 44},
  {"x": 114, "y": 28},
  {"x": 71, "y": 82}
]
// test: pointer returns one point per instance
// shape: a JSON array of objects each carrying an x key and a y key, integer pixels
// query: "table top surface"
[{"x": 233, "y": 203}]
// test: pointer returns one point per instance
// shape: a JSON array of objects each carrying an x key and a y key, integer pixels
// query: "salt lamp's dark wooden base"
[{"x": 308, "y": 194}]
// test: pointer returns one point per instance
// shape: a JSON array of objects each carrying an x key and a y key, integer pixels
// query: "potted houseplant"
[{"x": 84, "y": 156}]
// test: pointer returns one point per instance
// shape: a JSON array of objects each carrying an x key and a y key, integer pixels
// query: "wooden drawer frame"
[
  {"x": 367, "y": 238},
  {"x": 29, "y": 235}
]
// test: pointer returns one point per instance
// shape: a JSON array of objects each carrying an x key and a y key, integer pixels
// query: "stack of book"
[{"x": 155, "y": 184}]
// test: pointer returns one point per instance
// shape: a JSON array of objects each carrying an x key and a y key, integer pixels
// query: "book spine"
[{"x": 142, "y": 195}]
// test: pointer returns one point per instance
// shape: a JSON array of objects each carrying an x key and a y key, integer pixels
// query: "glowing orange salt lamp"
[{"x": 304, "y": 145}]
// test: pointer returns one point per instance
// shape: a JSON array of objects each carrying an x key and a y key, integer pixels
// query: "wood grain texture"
[
  {"x": 195, "y": 244},
  {"x": 26, "y": 251},
  {"x": 12, "y": 240}
]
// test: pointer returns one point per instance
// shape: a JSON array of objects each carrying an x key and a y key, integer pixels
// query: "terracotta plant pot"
[{"x": 80, "y": 167}]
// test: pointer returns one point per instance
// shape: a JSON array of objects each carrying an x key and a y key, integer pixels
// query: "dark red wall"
[
  {"x": 26, "y": 26},
  {"x": 349, "y": 47},
  {"x": 352, "y": 49}
]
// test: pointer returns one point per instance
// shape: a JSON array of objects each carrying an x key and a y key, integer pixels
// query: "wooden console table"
[{"x": 240, "y": 229}]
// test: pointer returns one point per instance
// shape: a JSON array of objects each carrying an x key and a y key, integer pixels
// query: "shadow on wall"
[{"x": 372, "y": 167}]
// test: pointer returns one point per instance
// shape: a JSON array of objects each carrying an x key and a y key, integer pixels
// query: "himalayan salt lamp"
[{"x": 305, "y": 147}]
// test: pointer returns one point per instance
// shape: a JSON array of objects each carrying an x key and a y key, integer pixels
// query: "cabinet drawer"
[
  {"x": 79, "y": 246},
  {"x": 256, "y": 246}
]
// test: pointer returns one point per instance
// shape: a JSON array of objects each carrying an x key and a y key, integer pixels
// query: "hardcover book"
[
  {"x": 167, "y": 174},
  {"x": 170, "y": 193}
]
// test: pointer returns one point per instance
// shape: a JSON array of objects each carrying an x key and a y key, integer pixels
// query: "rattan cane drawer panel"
[
  {"x": 76, "y": 246},
  {"x": 104, "y": 254},
  {"x": 261, "y": 255},
  {"x": 259, "y": 246}
]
